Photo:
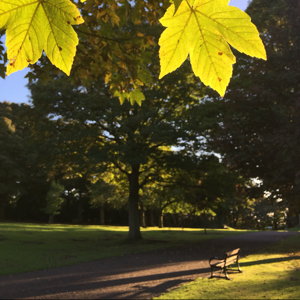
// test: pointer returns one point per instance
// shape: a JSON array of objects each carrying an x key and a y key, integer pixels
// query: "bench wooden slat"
[{"x": 233, "y": 252}]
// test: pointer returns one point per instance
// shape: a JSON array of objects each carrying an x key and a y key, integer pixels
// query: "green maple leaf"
[
  {"x": 36, "y": 25},
  {"x": 136, "y": 96},
  {"x": 203, "y": 29}
]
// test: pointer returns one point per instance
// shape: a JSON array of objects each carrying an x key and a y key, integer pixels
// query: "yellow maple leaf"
[
  {"x": 203, "y": 29},
  {"x": 36, "y": 25}
]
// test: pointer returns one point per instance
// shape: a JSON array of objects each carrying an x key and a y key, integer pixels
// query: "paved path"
[{"x": 133, "y": 276}]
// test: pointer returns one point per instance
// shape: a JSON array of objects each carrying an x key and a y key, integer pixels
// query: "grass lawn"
[
  {"x": 27, "y": 247},
  {"x": 274, "y": 273}
]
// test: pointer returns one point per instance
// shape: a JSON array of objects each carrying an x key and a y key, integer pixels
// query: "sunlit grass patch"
[
  {"x": 26, "y": 247},
  {"x": 274, "y": 273}
]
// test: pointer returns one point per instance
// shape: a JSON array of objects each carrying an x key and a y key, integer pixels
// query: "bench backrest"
[
  {"x": 233, "y": 252},
  {"x": 232, "y": 256}
]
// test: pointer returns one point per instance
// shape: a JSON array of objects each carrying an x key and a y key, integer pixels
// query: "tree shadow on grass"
[
  {"x": 58, "y": 286},
  {"x": 267, "y": 261}
]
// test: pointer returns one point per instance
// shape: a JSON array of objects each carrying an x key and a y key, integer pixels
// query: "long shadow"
[
  {"x": 155, "y": 290},
  {"x": 92, "y": 283},
  {"x": 268, "y": 261}
]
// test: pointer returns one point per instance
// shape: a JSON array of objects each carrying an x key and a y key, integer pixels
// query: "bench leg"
[
  {"x": 211, "y": 272},
  {"x": 239, "y": 268},
  {"x": 226, "y": 275}
]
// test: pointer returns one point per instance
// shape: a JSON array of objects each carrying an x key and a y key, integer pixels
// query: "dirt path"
[{"x": 133, "y": 276}]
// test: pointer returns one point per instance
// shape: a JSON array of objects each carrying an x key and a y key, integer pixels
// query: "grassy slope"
[
  {"x": 272, "y": 274},
  {"x": 28, "y": 247}
]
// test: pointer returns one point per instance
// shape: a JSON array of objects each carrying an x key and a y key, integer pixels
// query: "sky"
[{"x": 13, "y": 88}]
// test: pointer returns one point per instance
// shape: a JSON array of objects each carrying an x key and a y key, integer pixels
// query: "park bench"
[{"x": 223, "y": 263}]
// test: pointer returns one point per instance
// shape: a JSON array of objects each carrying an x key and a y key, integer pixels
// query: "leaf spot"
[
  {"x": 220, "y": 53},
  {"x": 28, "y": 60},
  {"x": 219, "y": 79},
  {"x": 60, "y": 48},
  {"x": 12, "y": 64},
  {"x": 69, "y": 22},
  {"x": 75, "y": 19}
]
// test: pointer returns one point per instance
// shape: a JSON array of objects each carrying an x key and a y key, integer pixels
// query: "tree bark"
[
  {"x": 102, "y": 214},
  {"x": 205, "y": 223},
  {"x": 152, "y": 223},
  {"x": 161, "y": 219},
  {"x": 51, "y": 219},
  {"x": 80, "y": 210},
  {"x": 143, "y": 215},
  {"x": 2, "y": 211},
  {"x": 133, "y": 204}
]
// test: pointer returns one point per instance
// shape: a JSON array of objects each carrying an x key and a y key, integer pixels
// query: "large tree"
[
  {"x": 134, "y": 139},
  {"x": 259, "y": 117}
]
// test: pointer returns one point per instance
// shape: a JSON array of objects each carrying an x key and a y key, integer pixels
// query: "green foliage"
[
  {"x": 209, "y": 183},
  {"x": 23, "y": 185},
  {"x": 53, "y": 199},
  {"x": 111, "y": 191},
  {"x": 33, "y": 26},
  {"x": 11, "y": 158},
  {"x": 259, "y": 120}
]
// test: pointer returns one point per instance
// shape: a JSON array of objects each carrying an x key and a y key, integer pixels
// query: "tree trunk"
[
  {"x": 2, "y": 211},
  {"x": 102, "y": 214},
  {"x": 143, "y": 216},
  {"x": 51, "y": 219},
  {"x": 275, "y": 227},
  {"x": 161, "y": 219},
  {"x": 205, "y": 223},
  {"x": 235, "y": 219},
  {"x": 80, "y": 210},
  {"x": 133, "y": 204},
  {"x": 152, "y": 223}
]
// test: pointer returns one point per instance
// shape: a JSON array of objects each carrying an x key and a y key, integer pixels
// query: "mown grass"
[
  {"x": 28, "y": 247},
  {"x": 274, "y": 273}
]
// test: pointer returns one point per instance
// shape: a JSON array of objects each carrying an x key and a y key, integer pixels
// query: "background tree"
[
  {"x": 34, "y": 185},
  {"x": 11, "y": 167},
  {"x": 208, "y": 185},
  {"x": 109, "y": 190},
  {"x": 53, "y": 200},
  {"x": 259, "y": 116}
]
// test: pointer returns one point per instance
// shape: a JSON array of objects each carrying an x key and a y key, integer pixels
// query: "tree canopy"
[
  {"x": 198, "y": 27},
  {"x": 135, "y": 140},
  {"x": 259, "y": 116}
]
